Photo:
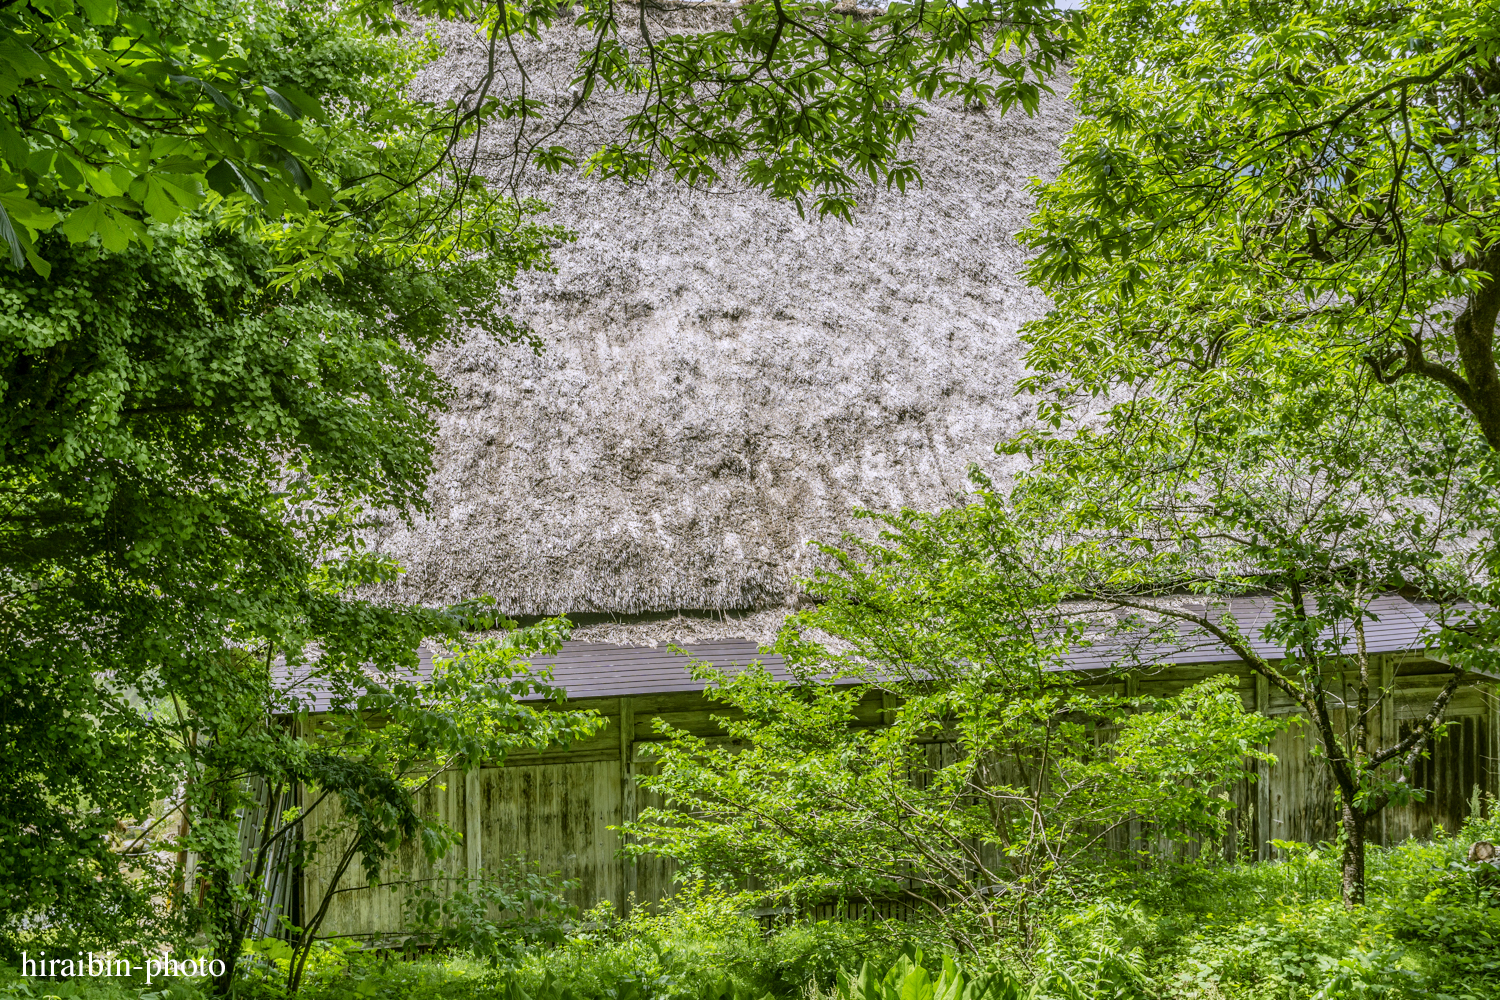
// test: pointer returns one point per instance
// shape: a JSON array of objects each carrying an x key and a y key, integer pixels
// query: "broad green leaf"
[
  {"x": 218, "y": 97},
  {"x": 21, "y": 58},
  {"x": 282, "y": 104},
  {"x": 12, "y": 240},
  {"x": 115, "y": 230},
  {"x": 81, "y": 223},
  {"x": 915, "y": 985},
  {"x": 39, "y": 265},
  {"x": 100, "y": 12},
  {"x": 299, "y": 174},
  {"x": 104, "y": 182},
  {"x": 27, "y": 212},
  {"x": 214, "y": 94},
  {"x": 14, "y": 148},
  {"x": 227, "y": 178},
  {"x": 182, "y": 188},
  {"x": 303, "y": 102},
  {"x": 158, "y": 201}
]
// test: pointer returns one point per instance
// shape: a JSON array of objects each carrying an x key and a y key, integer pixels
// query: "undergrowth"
[{"x": 1277, "y": 931}]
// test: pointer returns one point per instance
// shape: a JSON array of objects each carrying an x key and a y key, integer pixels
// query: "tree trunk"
[
  {"x": 221, "y": 923},
  {"x": 228, "y": 953},
  {"x": 1474, "y": 335},
  {"x": 1354, "y": 820}
]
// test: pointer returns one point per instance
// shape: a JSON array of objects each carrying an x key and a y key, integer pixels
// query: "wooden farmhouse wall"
[
  {"x": 1295, "y": 799},
  {"x": 556, "y": 808}
]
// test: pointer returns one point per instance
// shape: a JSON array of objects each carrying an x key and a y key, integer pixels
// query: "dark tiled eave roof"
[
  {"x": 1398, "y": 627},
  {"x": 592, "y": 669},
  {"x": 606, "y": 670}
]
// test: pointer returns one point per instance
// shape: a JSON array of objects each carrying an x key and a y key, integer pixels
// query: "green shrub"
[
  {"x": 1200, "y": 931},
  {"x": 913, "y": 976},
  {"x": 1278, "y": 931}
]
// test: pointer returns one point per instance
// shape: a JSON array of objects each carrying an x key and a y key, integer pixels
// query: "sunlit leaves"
[
  {"x": 1247, "y": 182},
  {"x": 188, "y": 454},
  {"x": 128, "y": 119},
  {"x": 982, "y": 782}
]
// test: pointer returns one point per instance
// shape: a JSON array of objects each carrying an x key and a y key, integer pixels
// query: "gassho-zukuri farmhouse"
[{"x": 721, "y": 381}]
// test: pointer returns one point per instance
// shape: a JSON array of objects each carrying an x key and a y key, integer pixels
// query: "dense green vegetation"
[
  {"x": 235, "y": 242},
  {"x": 1273, "y": 931},
  {"x": 190, "y": 445},
  {"x": 1269, "y": 366},
  {"x": 1251, "y": 182}
]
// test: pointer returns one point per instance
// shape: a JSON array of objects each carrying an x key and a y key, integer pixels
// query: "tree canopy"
[
  {"x": 998, "y": 775},
  {"x": 116, "y": 116},
  {"x": 1248, "y": 182},
  {"x": 1318, "y": 496},
  {"x": 189, "y": 448},
  {"x": 805, "y": 99},
  {"x": 293, "y": 119}
]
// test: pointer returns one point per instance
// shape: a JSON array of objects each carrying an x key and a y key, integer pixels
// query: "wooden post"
[
  {"x": 1388, "y": 730},
  {"x": 627, "y": 800},
  {"x": 1133, "y": 829},
  {"x": 473, "y": 823},
  {"x": 1262, "y": 779},
  {"x": 1493, "y": 700}
]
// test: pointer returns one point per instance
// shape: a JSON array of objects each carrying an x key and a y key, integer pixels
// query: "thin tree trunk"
[
  {"x": 310, "y": 933},
  {"x": 222, "y": 908},
  {"x": 1354, "y": 820}
]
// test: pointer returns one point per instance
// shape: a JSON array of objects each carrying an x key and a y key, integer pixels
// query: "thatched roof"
[{"x": 723, "y": 380}]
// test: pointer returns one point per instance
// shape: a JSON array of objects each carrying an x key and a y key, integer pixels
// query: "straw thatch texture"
[{"x": 723, "y": 380}]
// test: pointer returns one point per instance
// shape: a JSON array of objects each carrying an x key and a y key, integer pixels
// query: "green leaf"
[
  {"x": 218, "y": 97},
  {"x": 308, "y": 105},
  {"x": 84, "y": 222},
  {"x": 40, "y": 266},
  {"x": 159, "y": 202},
  {"x": 28, "y": 213},
  {"x": 104, "y": 182},
  {"x": 214, "y": 94},
  {"x": 917, "y": 985},
  {"x": 299, "y": 174},
  {"x": 183, "y": 188},
  {"x": 227, "y": 178},
  {"x": 282, "y": 104},
  {"x": 12, "y": 145},
  {"x": 115, "y": 231},
  {"x": 100, "y": 12},
  {"x": 12, "y": 240},
  {"x": 22, "y": 58}
]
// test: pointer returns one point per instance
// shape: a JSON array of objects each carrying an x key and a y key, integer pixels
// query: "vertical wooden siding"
[
  {"x": 358, "y": 909},
  {"x": 555, "y": 808},
  {"x": 557, "y": 816}
]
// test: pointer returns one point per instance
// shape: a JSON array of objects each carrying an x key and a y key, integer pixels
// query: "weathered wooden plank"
[
  {"x": 1189, "y": 675},
  {"x": 358, "y": 909},
  {"x": 1262, "y": 780},
  {"x": 558, "y": 817},
  {"x": 473, "y": 810}
]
